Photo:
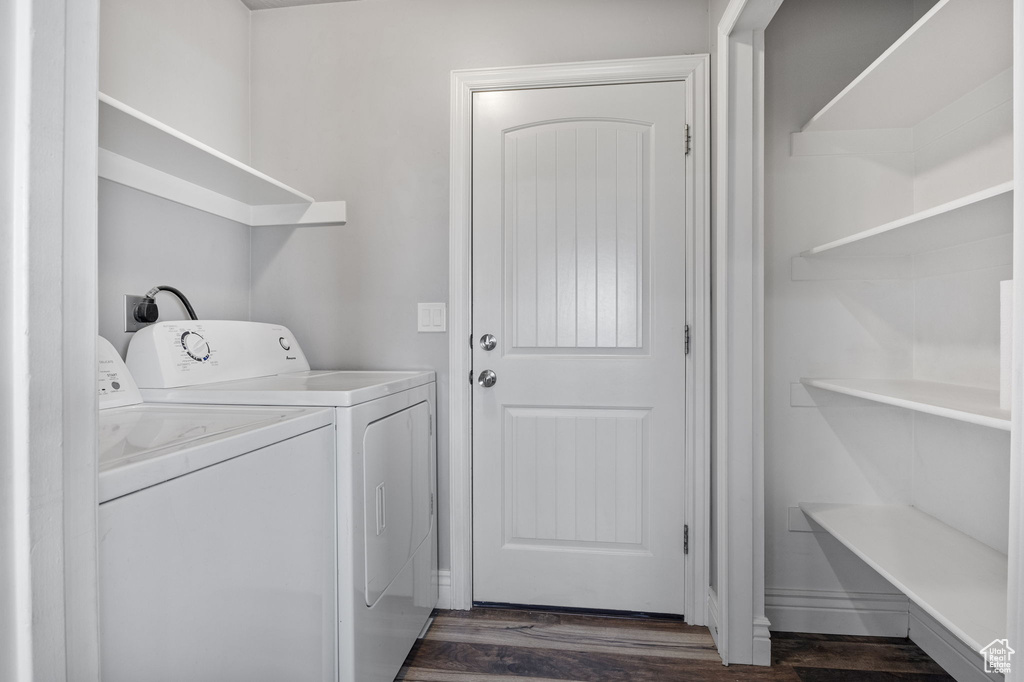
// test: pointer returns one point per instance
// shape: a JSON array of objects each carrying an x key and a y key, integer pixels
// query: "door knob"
[
  {"x": 487, "y": 378},
  {"x": 488, "y": 342}
]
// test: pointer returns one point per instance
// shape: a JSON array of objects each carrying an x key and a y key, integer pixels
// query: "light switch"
[{"x": 432, "y": 317}]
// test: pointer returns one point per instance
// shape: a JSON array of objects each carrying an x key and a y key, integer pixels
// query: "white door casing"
[
  {"x": 693, "y": 70},
  {"x": 48, "y": 131},
  {"x": 578, "y": 271},
  {"x": 736, "y": 603}
]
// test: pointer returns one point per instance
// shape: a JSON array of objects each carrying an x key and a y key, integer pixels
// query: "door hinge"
[
  {"x": 431, "y": 504},
  {"x": 689, "y": 140},
  {"x": 686, "y": 340},
  {"x": 686, "y": 539}
]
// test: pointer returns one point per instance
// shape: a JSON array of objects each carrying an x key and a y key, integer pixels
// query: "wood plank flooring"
[{"x": 502, "y": 645}]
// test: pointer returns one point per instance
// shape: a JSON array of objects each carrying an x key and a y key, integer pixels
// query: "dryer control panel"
[{"x": 192, "y": 352}]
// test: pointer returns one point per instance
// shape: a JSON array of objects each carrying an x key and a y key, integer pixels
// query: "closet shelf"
[
  {"x": 958, "y": 580},
  {"x": 984, "y": 214},
  {"x": 141, "y": 152},
  {"x": 963, "y": 403},
  {"x": 964, "y": 42}
]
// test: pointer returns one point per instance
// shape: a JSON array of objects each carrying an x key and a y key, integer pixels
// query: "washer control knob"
[
  {"x": 285, "y": 343},
  {"x": 195, "y": 346}
]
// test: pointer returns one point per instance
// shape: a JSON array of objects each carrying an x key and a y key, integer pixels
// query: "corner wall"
[
  {"x": 186, "y": 64},
  {"x": 351, "y": 101}
]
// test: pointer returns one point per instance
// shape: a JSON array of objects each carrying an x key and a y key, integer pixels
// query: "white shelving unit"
[
  {"x": 141, "y": 152},
  {"x": 956, "y": 579},
  {"x": 941, "y": 94},
  {"x": 977, "y": 216},
  {"x": 963, "y": 403},
  {"x": 963, "y": 43}
]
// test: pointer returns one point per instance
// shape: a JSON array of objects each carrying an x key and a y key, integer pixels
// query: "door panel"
[
  {"x": 578, "y": 250},
  {"x": 575, "y": 200},
  {"x": 574, "y": 477}
]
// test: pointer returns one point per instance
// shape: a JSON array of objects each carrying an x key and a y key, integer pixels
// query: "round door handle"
[
  {"x": 488, "y": 342},
  {"x": 487, "y": 378}
]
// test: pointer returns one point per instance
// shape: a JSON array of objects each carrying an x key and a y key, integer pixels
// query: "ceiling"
[{"x": 271, "y": 4}]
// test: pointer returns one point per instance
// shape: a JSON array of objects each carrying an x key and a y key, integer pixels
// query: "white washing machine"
[
  {"x": 386, "y": 467},
  {"x": 217, "y": 538}
]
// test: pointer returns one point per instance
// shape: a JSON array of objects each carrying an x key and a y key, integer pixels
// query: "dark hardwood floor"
[{"x": 501, "y": 645}]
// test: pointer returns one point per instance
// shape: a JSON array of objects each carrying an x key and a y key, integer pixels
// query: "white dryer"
[
  {"x": 217, "y": 538},
  {"x": 386, "y": 467}
]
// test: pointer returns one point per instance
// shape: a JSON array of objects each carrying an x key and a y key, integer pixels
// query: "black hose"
[{"x": 181, "y": 297}]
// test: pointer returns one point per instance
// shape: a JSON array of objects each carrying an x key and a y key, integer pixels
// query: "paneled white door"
[{"x": 579, "y": 233}]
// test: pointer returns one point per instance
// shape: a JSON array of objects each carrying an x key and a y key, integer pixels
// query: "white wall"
[
  {"x": 145, "y": 241},
  {"x": 351, "y": 101},
  {"x": 186, "y": 64}
]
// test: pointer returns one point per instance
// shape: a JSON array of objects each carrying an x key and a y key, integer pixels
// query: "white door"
[{"x": 579, "y": 231}]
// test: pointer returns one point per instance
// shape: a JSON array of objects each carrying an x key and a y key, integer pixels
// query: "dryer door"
[{"x": 396, "y": 492}]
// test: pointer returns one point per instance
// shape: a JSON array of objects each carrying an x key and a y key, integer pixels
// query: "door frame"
[
  {"x": 694, "y": 71},
  {"x": 48, "y": 315},
  {"x": 736, "y": 599}
]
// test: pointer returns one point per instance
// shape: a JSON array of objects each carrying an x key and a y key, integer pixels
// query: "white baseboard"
[
  {"x": 879, "y": 615},
  {"x": 444, "y": 589},
  {"x": 762, "y": 641},
  {"x": 956, "y": 658},
  {"x": 837, "y": 613}
]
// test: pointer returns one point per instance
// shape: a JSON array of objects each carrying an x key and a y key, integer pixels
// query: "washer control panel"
[
  {"x": 114, "y": 383},
  {"x": 192, "y": 352}
]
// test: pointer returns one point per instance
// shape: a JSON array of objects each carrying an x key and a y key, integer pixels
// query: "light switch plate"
[{"x": 432, "y": 317}]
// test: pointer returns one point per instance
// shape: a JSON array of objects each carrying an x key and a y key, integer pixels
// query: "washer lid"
[
  {"x": 142, "y": 445},
  {"x": 317, "y": 387}
]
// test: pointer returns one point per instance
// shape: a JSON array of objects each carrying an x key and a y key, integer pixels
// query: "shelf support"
[{"x": 850, "y": 142}]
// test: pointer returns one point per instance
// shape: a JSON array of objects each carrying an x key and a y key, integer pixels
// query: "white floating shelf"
[
  {"x": 963, "y": 403},
  {"x": 984, "y": 214},
  {"x": 963, "y": 42},
  {"x": 141, "y": 152},
  {"x": 956, "y": 579}
]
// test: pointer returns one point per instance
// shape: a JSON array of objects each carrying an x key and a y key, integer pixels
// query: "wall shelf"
[
  {"x": 956, "y": 579},
  {"x": 141, "y": 152},
  {"x": 963, "y": 403},
  {"x": 977, "y": 216},
  {"x": 963, "y": 42}
]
